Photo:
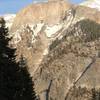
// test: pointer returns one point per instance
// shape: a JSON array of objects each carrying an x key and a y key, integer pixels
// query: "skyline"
[{"x": 13, "y": 6}]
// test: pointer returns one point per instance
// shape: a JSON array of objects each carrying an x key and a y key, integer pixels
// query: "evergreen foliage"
[
  {"x": 26, "y": 87},
  {"x": 15, "y": 81}
]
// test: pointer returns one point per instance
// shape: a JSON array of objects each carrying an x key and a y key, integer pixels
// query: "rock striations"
[{"x": 61, "y": 43}]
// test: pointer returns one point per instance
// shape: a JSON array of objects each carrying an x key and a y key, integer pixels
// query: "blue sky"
[
  {"x": 76, "y": 1},
  {"x": 13, "y": 6}
]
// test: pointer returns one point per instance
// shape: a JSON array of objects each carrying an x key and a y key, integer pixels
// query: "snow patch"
[
  {"x": 9, "y": 17},
  {"x": 37, "y": 28},
  {"x": 53, "y": 30}
]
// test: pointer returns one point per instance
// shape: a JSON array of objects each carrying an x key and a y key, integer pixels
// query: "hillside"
[
  {"x": 71, "y": 68},
  {"x": 61, "y": 43}
]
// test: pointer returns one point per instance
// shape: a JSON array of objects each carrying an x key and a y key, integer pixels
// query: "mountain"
[
  {"x": 70, "y": 70},
  {"x": 9, "y": 18},
  {"x": 61, "y": 43},
  {"x": 41, "y": 12},
  {"x": 92, "y": 4}
]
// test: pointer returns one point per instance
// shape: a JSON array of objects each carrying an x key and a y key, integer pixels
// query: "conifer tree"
[
  {"x": 15, "y": 82},
  {"x": 27, "y": 86}
]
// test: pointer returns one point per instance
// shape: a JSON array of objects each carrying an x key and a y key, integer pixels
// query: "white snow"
[
  {"x": 35, "y": 28},
  {"x": 38, "y": 28},
  {"x": 8, "y": 17},
  {"x": 53, "y": 29},
  {"x": 92, "y": 4}
]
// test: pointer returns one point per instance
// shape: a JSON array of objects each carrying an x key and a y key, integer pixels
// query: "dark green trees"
[
  {"x": 26, "y": 88},
  {"x": 15, "y": 81}
]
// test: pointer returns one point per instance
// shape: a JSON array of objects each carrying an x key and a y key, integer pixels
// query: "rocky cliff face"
[{"x": 62, "y": 48}]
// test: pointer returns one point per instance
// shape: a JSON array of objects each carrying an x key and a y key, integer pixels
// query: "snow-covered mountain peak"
[{"x": 92, "y": 4}]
